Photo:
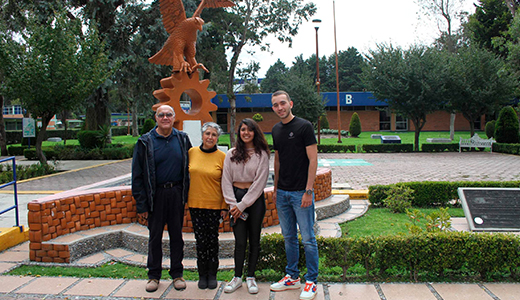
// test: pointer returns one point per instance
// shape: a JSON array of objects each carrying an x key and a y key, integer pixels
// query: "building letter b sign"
[{"x": 348, "y": 99}]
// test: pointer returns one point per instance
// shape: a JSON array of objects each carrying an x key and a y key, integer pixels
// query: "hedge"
[
  {"x": 441, "y": 147},
  {"x": 380, "y": 148},
  {"x": 425, "y": 255},
  {"x": 442, "y": 191},
  {"x": 71, "y": 152},
  {"x": 506, "y": 148},
  {"x": 323, "y": 148}
]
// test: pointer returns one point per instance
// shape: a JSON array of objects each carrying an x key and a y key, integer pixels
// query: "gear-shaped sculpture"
[{"x": 197, "y": 90}]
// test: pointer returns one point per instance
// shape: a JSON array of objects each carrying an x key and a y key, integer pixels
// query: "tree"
[
  {"x": 410, "y": 81},
  {"x": 478, "y": 84},
  {"x": 491, "y": 19},
  {"x": 513, "y": 6},
  {"x": 249, "y": 23},
  {"x": 307, "y": 103},
  {"x": 444, "y": 12},
  {"x": 274, "y": 77},
  {"x": 350, "y": 66},
  {"x": 60, "y": 66},
  {"x": 506, "y": 128}
]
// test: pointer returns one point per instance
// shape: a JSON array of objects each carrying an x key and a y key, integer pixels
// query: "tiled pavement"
[{"x": 384, "y": 169}]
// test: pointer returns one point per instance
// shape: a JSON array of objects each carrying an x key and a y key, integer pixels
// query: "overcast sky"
[{"x": 360, "y": 24}]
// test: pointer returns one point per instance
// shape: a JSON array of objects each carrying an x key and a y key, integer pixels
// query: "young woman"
[
  {"x": 206, "y": 203},
  {"x": 246, "y": 169}
]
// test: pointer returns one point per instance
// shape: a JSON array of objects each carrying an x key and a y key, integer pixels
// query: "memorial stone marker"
[{"x": 491, "y": 209}]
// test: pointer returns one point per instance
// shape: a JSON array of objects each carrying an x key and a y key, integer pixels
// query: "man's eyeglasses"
[{"x": 162, "y": 115}]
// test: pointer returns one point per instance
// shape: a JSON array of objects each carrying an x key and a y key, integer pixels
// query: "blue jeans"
[{"x": 291, "y": 213}]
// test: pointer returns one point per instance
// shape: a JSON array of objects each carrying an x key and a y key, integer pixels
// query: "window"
[
  {"x": 401, "y": 123},
  {"x": 384, "y": 120}
]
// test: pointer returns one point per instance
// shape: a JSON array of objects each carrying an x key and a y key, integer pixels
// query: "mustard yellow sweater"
[{"x": 205, "y": 177}]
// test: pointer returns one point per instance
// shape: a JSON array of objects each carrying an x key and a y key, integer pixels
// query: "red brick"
[
  {"x": 89, "y": 198},
  {"x": 132, "y": 214},
  {"x": 47, "y": 237},
  {"x": 75, "y": 218},
  {"x": 73, "y": 209},
  {"x": 97, "y": 199},
  {"x": 97, "y": 222},
  {"x": 110, "y": 194},
  {"x": 118, "y": 195},
  {"x": 77, "y": 201},
  {"x": 60, "y": 260},
  {"x": 121, "y": 204},
  {"x": 111, "y": 217},
  {"x": 84, "y": 227},
  {"x": 35, "y": 226},
  {"x": 94, "y": 214},
  {"x": 64, "y": 254},
  {"x": 115, "y": 210},
  {"x": 46, "y": 212},
  {"x": 35, "y": 246},
  {"x": 84, "y": 204},
  {"x": 35, "y": 236},
  {"x": 130, "y": 206},
  {"x": 77, "y": 226},
  {"x": 92, "y": 206},
  {"x": 105, "y": 201},
  {"x": 32, "y": 255},
  {"x": 82, "y": 219},
  {"x": 119, "y": 218},
  {"x": 33, "y": 207},
  {"x": 113, "y": 201},
  {"x": 52, "y": 253},
  {"x": 89, "y": 221},
  {"x": 105, "y": 223},
  {"x": 41, "y": 253},
  {"x": 123, "y": 212},
  {"x": 47, "y": 259},
  {"x": 113, "y": 222},
  {"x": 80, "y": 211}
]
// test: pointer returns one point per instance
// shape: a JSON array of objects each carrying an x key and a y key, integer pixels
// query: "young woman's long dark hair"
[{"x": 240, "y": 154}]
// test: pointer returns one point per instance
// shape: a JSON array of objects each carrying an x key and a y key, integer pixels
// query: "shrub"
[
  {"x": 392, "y": 148},
  {"x": 324, "y": 122},
  {"x": 490, "y": 129},
  {"x": 258, "y": 117},
  {"x": 506, "y": 127},
  {"x": 148, "y": 125},
  {"x": 355, "y": 125},
  {"x": 89, "y": 139},
  {"x": 399, "y": 198},
  {"x": 433, "y": 193},
  {"x": 16, "y": 150},
  {"x": 440, "y": 147}
]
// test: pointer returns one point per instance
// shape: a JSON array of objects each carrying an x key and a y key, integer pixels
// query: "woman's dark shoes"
[
  {"x": 203, "y": 282},
  {"x": 212, "y": 282}
]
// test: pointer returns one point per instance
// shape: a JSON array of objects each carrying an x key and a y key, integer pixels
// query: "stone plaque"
[{"x": 491, "y": 209}]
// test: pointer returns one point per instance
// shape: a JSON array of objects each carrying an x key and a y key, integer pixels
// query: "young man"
[
  {"x": 295, "y": 164},
  {"x": 160, "y": 184}
]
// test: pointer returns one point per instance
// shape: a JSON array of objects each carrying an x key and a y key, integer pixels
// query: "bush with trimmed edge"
[
  {"x": 324, "y": 122},
  {"x": 90, "y": 139},
  {"x": 355, "y": 125},
  {"x": 506, "y": 127},
  {"x": 490, "y": 129},
  {"x": 148, "y": 125}
]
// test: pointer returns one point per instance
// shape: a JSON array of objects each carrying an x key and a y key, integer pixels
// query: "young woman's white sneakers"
[
  {"x": 233, "y": 285},
  {"x": 251, "y": 285}
]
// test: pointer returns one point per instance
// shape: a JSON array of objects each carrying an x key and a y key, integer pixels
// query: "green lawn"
[
  {"x": 407, "y": 137},
  {"x": 381, "y": 221}
]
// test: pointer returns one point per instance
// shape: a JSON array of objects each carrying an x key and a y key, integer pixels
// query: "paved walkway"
[{"x": 381, "y": 169}]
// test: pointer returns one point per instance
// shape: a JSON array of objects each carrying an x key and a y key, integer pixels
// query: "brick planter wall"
[{"x": 69, "y": 212}]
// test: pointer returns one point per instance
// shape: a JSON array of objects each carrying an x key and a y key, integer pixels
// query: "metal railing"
[{"x": 13, "y": 183}]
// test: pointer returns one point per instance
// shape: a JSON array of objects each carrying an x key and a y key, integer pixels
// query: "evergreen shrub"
[
  {"x": 506, "y": 127},
  {"x": 355, "y": 125},
  {"x": 148, "y": 125},
  {"x": 490, "y": 129}
]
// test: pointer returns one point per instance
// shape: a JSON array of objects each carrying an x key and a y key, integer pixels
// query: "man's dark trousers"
[{"x": 168, "y": 209}]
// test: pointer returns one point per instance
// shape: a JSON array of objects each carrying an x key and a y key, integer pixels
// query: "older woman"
[
  {"x": 246, "y": 169},
  {"x": 206, "y": 203}
]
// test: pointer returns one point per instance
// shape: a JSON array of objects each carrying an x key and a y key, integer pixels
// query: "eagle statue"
[{"x": 183, "y": 34}]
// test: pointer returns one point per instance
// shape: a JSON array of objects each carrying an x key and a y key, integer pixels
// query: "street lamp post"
[
  {"x": 317, "y": 26},
  {"x": 337, "y": 74}
]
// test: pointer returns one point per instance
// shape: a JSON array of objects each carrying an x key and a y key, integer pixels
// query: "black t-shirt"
[{"x": 291, "y": 140}]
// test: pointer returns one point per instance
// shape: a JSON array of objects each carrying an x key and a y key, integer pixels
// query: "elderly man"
[{"x": 160, "y": 184}]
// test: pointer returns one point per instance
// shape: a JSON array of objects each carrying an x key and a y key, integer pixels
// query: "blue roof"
[{"x": 264, "y": 100}]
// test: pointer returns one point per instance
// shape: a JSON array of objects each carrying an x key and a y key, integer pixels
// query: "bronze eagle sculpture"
[{"x": 182, "y": 41}]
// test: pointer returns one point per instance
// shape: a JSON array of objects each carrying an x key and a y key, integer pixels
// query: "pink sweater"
[{"x": 255, "y": 170}]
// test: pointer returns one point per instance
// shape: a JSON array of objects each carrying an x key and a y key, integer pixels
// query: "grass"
[
  {"x": 407, "y": 137},
  {"x": 108, "y": 270},
  {"x": 381, "y": 221}
]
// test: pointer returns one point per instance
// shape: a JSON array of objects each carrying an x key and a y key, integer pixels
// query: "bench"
[{"x": 476, "y": 141}]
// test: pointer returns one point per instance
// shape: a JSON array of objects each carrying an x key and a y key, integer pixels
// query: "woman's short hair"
[{"x": 212, "y": 125}]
